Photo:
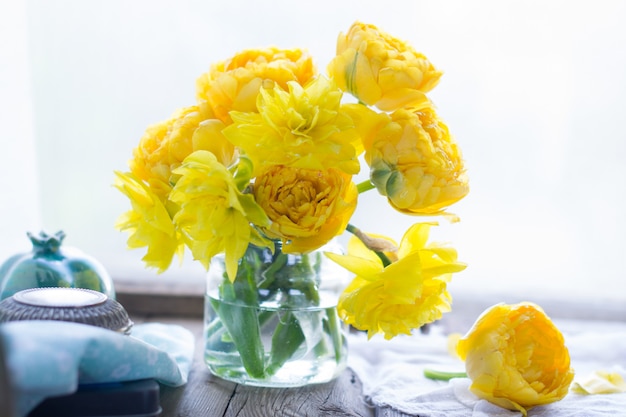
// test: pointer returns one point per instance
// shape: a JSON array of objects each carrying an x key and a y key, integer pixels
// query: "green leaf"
[
  {"x": 243, "y": 172},
  {"x": 254, "y": 213},
  {"x": 240, "y": 318},
  {"x": 287, "y": 338},
  {"x": 241, "y": 324}
]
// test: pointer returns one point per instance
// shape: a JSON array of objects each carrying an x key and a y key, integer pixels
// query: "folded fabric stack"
[{"x": 53, "y": 358}]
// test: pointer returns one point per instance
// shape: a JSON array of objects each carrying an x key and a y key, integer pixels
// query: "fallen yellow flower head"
[{"x": 516, "y": 357}]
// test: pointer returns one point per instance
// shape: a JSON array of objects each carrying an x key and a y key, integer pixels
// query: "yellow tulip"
[
  {"x": 368, "y": 124},
  {"x": 516, "y": 357},
  {"x": 416, "y": 163},
  {"x": 165, "y": 145},
  {"x": 405, "y": 295},
  {"x": 235, "y": 83},
  {"x": 304, "y": 127},
  {"x": 381, "y": 70},
  {"x": 307, "y": 207}
]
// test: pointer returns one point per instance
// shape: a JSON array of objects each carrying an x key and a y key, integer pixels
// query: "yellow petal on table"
[{"x": 600, "y": 382}]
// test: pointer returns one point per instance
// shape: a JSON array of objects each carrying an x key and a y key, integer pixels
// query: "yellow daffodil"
[
  {"x": 516, "y": 357},
  {"x": 215, "y": 216},
  {"x": 235, "y": 83},
  {"x": 408, "y": 293},
  {"x": 149, "y": 223},
  {"x": 381, "y": 70},
  {"x": 165, "y": 145},
  {"x": 307, "y": 207},
  {"x": 303, "y": 127},
  {"x": 416, "y": 163}
]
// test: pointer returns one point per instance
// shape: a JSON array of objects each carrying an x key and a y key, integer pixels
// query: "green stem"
[
  {"x": 357, "y": 232},
  {"x": 385, "y": 260},
  {"x": 352, "y": 229},
  {"x": 443, "y": 376},
  {"x": 280, "y": 260},
  {"x": 365, "y": 186},
  {"x": 334, "y": 330}
]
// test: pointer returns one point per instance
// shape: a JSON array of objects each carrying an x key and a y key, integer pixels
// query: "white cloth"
[{"x": 392, "y": 373}]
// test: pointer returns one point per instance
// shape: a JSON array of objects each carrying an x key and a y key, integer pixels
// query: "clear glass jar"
[{"x": 276, "y": 325}]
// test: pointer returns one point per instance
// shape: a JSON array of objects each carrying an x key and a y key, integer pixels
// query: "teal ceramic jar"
[{"x": 50, "y": 264}]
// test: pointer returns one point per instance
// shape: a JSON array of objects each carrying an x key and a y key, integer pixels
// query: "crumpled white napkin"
[{"x": 392, "y": 373}]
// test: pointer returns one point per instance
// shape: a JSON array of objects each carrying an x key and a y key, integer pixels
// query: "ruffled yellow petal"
[
  {"x": 234, "y": 84},
  {"x": 416, "y": 163},
  {"x": 382, "y": 70},
  {"x": 600, "y": 382},
  {"x": 148, "y": 223},
  {"x": 213, "y": 216},
  {"x": 402, "y": 296},
  {"x": 365, "y": 268},
  {"x": 164, "y": 146},
  {"x": 304, "y": 127},
  {"x": 307, "y": 208}
]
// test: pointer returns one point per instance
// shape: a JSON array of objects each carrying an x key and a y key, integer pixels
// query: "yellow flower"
[
  {"x": 381, "y": 70},
  {"x": 416, "y": 163},
  {"x": 149, "y": 223},
  {"x": 307, "y": 207},
  {"x": 368, "y": 124},
  {"x": 165, "y": 145},
  {"x": 405, "y": 295},
  {"x": 235, "y": 83},
  {"x": 516, "y": 357},
  {"x": 304, "y": 127},
  {"x": 214, "y": 215}
]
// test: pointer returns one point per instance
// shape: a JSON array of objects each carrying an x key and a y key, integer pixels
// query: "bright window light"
[{"x": 533, "y": 92}]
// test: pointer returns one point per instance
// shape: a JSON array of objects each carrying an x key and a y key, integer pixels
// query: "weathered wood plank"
[
  {"x": 341, "y": 397},
  {"x": 203, "y": 395},
  {"x": 390, "y": 412},
  {"x": 145, "y": 304},
  {"x": 207, "y": 395}
]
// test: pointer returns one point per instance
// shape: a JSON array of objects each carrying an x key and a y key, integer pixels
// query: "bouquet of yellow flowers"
[{"x": 266, "y": 159}]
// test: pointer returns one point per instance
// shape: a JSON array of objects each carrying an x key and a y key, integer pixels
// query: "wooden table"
[{"x": 207, "y": 395}]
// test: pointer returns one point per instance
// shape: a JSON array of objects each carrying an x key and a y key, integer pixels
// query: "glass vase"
[{"x": 276, "y": 324}]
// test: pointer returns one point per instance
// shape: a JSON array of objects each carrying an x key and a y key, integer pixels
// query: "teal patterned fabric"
[{"x": 50, "y": 358}]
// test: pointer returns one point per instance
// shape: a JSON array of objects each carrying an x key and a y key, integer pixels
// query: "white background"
[{"x": 533, "y": 91}]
